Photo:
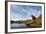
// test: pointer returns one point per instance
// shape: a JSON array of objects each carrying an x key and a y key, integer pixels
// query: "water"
[{"x": 17, "y": 26}]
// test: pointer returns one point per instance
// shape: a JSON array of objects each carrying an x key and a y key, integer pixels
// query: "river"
[{"x": 17, "y": 25}]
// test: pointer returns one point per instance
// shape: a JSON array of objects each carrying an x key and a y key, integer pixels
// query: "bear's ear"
[{"x": 33, "y": 17}]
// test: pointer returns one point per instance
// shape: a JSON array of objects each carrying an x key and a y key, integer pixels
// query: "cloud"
[{"x": 23, "y": 11}]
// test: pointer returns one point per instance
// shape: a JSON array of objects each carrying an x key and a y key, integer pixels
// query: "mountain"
[{"x": 34, "y": 22}]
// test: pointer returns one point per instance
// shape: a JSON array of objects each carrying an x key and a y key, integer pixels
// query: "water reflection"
[{"x": 17, "y": 25}]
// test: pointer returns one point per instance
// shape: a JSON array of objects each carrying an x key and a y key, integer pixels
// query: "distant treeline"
[{"x": 15, "y": 21}]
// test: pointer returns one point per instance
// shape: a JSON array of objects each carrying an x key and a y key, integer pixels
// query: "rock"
[{"x": 36, "y": 22}]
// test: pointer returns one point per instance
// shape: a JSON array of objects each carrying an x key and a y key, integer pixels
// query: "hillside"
[{"x": 34, "y": 22}]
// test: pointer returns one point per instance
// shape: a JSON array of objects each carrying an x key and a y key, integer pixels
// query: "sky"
[{"x": 24, "y": 11}]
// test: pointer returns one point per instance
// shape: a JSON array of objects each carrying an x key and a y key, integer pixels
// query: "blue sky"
[{"x": 24, "y": 11}]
